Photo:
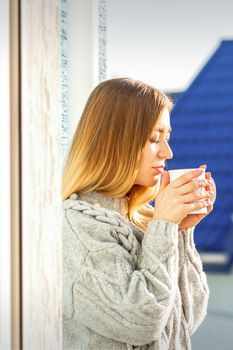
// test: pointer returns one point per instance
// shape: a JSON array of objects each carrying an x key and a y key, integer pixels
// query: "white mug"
[{"x": 174, "y": 174}]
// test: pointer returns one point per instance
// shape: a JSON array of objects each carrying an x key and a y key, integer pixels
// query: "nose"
[{"x": 165, "y": 151}]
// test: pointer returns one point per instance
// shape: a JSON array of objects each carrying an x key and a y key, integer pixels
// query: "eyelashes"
[
  {"x": 157, "y": 140},
  {"x": 154, "y": 141}
]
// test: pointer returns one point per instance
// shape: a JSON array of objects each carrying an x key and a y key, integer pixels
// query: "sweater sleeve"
[
  {"x": 192, "y": 281},
  {"x": 117, "y": 298}
]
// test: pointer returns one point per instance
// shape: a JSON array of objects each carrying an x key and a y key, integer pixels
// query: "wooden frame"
[
  {"x": 41, "y": 173},
  {"x": 16, "y": 229},
  {"x": 10, "y": 216},
  {"x": 31, "y": 165}
]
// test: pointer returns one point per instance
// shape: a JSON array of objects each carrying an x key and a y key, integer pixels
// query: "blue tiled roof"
[{"x": 202, "y": 122}]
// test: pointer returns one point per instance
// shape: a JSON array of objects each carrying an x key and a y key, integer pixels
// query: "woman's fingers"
[
  {"x": 204, "y": 166},
  {"x": 164, "y": 181},
  {"x": 193, "y": 185},
  {"x": 196, "y": 196},
  {"x": 210, "y": 208},
  {"x": 187, "y": 177},
  {"x": 211, "y": 186},
  {"x": 198, "y": 205},
  {"x": 178, "y": 198}
]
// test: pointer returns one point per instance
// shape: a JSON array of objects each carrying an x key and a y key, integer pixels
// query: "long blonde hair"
[{"x": 106, "y": 147}]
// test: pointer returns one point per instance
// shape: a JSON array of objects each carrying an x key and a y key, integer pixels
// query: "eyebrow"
[{"x": 163, "y": 129}]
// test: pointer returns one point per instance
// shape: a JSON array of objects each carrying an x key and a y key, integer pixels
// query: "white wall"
[
  {"x": 82, "y": 56},
  {"x": 165, "y": 43}
]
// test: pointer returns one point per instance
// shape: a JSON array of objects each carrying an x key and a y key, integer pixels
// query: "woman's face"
[{"x": 155, "y": 152}]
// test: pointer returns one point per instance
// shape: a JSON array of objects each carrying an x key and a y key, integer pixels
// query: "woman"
[{"x": 132, "y": 276}]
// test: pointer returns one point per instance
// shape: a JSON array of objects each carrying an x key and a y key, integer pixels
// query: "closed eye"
[
  {"x": 154, "y": 141},
  {"x": 157, "y": 140}
]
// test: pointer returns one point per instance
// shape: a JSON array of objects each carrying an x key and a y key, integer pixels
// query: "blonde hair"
[{"x": 106, "y": 147}]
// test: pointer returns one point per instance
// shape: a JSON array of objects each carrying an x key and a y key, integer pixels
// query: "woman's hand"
[
  {"x": 193, "y": 219},
  {"x": 177, "y": 199}
]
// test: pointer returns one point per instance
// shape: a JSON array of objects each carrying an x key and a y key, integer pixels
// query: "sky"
[{"x": 165, "y": 43}]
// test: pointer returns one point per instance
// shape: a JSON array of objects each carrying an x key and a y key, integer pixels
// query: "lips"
[{"x": 159, "y": 169}]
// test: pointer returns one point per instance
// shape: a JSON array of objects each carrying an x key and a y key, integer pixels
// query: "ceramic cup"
[{"x": 174, "y": 174}]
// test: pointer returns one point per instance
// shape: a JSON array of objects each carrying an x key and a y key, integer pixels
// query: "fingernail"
[{"x": 202, "y": 183}]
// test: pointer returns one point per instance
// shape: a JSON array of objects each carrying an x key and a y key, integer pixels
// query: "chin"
[{"x": 151, "y": 182}]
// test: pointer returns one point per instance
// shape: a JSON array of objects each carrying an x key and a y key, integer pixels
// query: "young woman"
[{"x": 132, "y": 278}]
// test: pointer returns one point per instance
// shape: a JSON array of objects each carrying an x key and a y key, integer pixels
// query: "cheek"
[
  {"x": 151, "y": 150},
  {"x": 145, "y": 166},
  {"x": 150, "y": 153},
  {"x": 147, "y": 156}
]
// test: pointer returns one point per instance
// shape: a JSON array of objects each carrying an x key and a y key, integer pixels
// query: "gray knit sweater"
[{"x": 123, "y": 288}]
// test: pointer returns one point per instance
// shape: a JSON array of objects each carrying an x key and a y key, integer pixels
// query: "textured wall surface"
[
  {"x": 102, "y": 29},
  {"x": 64, "y": 77},
  {"x": 41, "y": 167}
]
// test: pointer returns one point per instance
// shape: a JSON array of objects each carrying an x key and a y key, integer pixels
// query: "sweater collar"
[{"x": 116, "y": 204}]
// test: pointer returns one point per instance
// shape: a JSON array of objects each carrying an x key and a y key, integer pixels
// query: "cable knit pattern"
[
  {"x": 194, "y": 290},
  {"x": 125, "y": 289}
]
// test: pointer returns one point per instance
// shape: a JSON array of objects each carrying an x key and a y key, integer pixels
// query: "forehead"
[{"x": 163, "y": 122}]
